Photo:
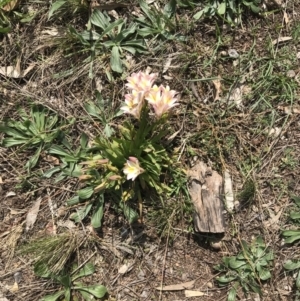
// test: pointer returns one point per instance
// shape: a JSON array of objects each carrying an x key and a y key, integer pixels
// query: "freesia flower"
[
  {"x": 162, "y": 99},
  {"x": 132, "y": 168},
  {"x": 133, "y": 104},
  {"x": 141, "y": 81}
]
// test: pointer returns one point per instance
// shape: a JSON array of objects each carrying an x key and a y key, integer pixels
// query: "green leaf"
[
  {"x": 55, "y": 6},
  {"x": 295, "y": 215},
  {"x": 235, "y": 264},
  {"x": 93, "y": 110},
  {"x": 231, "y": 294},
  {"x": 222, "y": 8},
  {"x": 245, "y": 247},
  {"x": 147, "y": 11},
  {"x": 99, "y": 19},
  {"x": 53, "y": 297},
  {"x": 5, "y": 29},
  {"x": 292, "y": 265},
  {"x": 259, "y": 252},
  {"x": 146, "y": 31},
  {"x": 73, "y": 201},
  {"x": 99, "y": 291},
  {"x": 115, "y": 61},
  {"x": 254, "y": 287},
  {"x": 86, "y": 296},
  {"x": 86, "y": 270},
  {"x": 225, "y": 279},
  {"x": 98, "y": 214},
  {"x": 124, "y": 34},
  {"x": 170, "y": 8},
  {"x": 50, "y": 172},
  {"x": 269, "y": 256},
  {"x": 262, "y": 262},
  {"x": 27, "y": 18},
  {"x": 42, "y": 270},
  {"x": 259, "y": 242},
  {"x": 65, "y": 280},
  {"x": 199, "y": 14},
  {"x": 84, "y": 139},
  {"x": 290, "y": 232},
  {"x": 255, "y": 8},
  {"x": 85, "y": 193},
  {"x": 108, "y": 130},
  {"x": 81, "y": 213},
  {"x": 68, "y": 293},
  {"x": 130, "y": 214},
  {"x": 264, "y": 274},
  {"x": 12, "y": 132},
  {"x": 291, "y": 235},
  {"x": 296, "y": 199},
  {"x": 34, "y": 159},
  {"x": 58, "y": 150},
  {"x": 8, "y": 142},
  {"x": 297, "y": 283}
]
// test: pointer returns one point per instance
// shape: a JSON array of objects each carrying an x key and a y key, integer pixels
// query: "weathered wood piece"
[{"x": 206, "y": 190}]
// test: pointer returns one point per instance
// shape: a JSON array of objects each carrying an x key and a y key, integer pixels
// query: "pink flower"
[
  {"x": 132, "y": 168},
  {"x": 161, "y": 99},
  {"x": 141, "y": 81},
  {"x": 133, "y": 104}
]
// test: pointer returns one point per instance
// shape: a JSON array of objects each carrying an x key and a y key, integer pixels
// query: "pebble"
[
  {"x": 233, "y": 53},
  {"x": 145, "y": 294},
  {"x": 18, "y": 276},
  {"x": 291, "y": 73},
  {"x": 209, "y": 285},
  {"x": 216, "y": 245}
]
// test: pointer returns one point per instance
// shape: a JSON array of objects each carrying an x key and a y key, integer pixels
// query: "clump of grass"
[
  {"x": 248, "y": 192},
  {"x": 55, "y": 251}
]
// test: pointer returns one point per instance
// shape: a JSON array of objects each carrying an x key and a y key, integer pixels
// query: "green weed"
[
  {"x": 36, "y": 131},
  {"x": 71, "y": 285},
  {"x": 104, "y": 36},
  {"x": 69, "y": 157},
  {"x": 229, "y": 10},
  {"x": 291, "y": 236},
  {"x": 289, "y": 159},
  {"x": 158, "y": 24},
  {"x": 60, "y": 8},
  {"x": 247, "y": 269}
]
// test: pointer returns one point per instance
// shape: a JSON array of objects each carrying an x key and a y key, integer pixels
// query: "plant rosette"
[{"x": 136, "y": 159}]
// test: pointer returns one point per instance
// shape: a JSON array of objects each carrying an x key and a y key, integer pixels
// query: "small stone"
[
  {"x": 18, "y": 276},
  {"x": 141, "y": 274},
  {"x": 287, "y": 288},
  {"x": 233, "y": 53},
  {"x": 237, "y": 205},
  {"x": 184, "y": 276},
  {"x": 216, "y": 245},
  {"x": 209, "y": 285},
  {"x": 145, "y": 294},
  {"x": 291, "y": 73},
  {"x": 61, "y": 211}
]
